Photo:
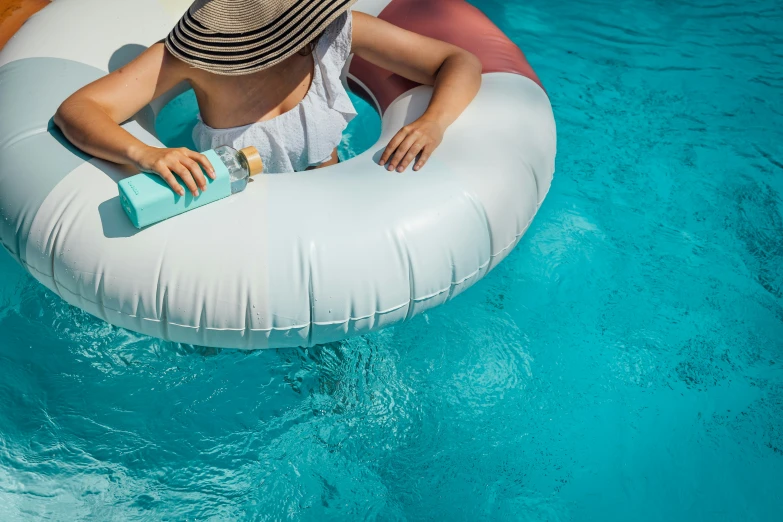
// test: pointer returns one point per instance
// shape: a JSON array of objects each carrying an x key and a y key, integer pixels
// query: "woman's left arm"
[{"x": 454, "y": 73}]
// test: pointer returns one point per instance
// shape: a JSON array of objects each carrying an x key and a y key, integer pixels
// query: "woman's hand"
[
  {"x": 418, "y": 138},
  {"x": 183, "y": 163},
  {"x": 454, "y": 73}
]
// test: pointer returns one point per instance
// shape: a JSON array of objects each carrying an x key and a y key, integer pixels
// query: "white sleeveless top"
[{"x": 307, "y": 134}]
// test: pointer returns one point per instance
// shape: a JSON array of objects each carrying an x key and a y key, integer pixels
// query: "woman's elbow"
[
  {"x": 58, "y": 117},
  {"x": 472, "y": 61},
  {"x": 73, "y": 113},
  {"x": 63, "y": 113},
  {"x": 468, "y": 65}
]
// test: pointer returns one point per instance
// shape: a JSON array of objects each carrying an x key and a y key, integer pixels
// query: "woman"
[{"x": 267, "y": 73}]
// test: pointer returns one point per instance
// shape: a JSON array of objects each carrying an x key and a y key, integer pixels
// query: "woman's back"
[{"x": 232, "y": 101}]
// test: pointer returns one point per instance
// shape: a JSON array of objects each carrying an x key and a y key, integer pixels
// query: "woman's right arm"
[{"x": 90, "y": 118}]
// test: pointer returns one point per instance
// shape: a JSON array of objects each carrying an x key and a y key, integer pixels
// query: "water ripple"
[{"x": 627, "y": 351}]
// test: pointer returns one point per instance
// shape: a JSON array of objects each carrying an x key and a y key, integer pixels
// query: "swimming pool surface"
[{"x": 625, "y": 362}]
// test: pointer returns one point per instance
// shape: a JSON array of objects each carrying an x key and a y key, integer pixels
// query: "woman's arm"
[
  {"x": 90, "y": 119},
  {"x": 454, "y": 73}
]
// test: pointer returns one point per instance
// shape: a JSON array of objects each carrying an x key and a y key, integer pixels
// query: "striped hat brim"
[{"x": 225, "y": 53}]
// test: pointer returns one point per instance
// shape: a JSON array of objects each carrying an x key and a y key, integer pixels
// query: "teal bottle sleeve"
[{"x": 147, "y": 199}]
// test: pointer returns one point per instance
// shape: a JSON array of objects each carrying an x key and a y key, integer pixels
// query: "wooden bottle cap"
[{"x": 254, "y": 162}]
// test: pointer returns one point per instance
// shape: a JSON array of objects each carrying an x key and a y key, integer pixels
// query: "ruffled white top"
[{"x": 307, "y": 134}]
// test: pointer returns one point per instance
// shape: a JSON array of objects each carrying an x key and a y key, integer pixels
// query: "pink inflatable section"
[{"x": 453, "y": 21}]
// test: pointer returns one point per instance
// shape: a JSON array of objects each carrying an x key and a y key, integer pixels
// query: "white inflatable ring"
[{"x": 297, "y": 259}]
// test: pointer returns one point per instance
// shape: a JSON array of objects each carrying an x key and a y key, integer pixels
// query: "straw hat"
[{"x": 234, "y": 37}]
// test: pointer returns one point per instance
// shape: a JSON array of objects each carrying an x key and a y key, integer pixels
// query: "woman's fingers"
[
  {"x": 203, "y": 161},
  {"x": 196, "y": 172},
  {"x": 183, "y": 163},
  {"x": 402, "y": 150},
  {"x": 416, "y": 140},
  {"x": 425, "y": 155},
  {"x": 184, "y": 174},
  {"x": 169, "y": 178},
  {"x": 393, "y": 144},
  {"x": 413, "y": 151},
  {"x": 410, "y": 155}
]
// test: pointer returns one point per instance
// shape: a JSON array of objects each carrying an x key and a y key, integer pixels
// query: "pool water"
[{"x": 625, "y": 362}]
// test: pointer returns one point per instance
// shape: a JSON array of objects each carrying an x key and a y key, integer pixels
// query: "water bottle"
[
  {"x": 147, "y": 199},
  {"x": 241, "y": 164}
]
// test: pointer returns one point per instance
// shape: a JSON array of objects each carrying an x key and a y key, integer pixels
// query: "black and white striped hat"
[{"x": 233, "y": 37}]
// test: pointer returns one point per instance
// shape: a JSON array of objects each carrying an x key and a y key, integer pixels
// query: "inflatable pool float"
[{"x": 296, "y": 259}]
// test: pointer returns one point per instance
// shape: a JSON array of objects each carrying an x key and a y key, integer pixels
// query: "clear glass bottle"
[{"x": 241, "y": 164}]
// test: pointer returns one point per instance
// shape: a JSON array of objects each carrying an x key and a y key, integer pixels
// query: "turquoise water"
[{"x": 625, "y": 362}]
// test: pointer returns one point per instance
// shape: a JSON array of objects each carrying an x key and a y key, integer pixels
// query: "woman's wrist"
[
  {"x": 438, "y": 117},
  {"x": 135, "y": 154}
]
